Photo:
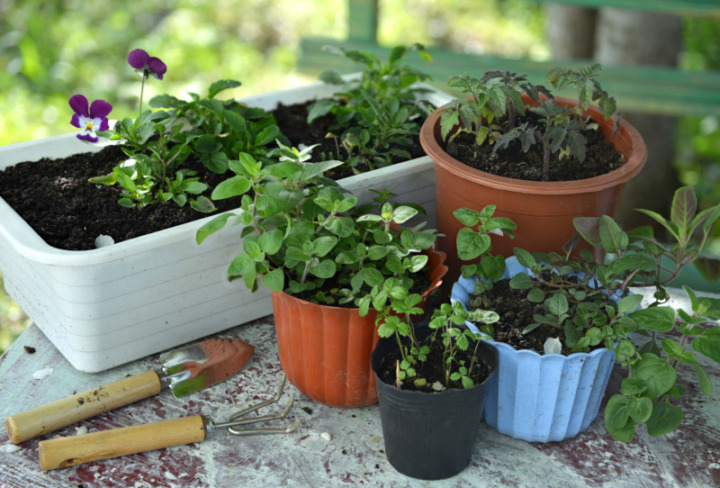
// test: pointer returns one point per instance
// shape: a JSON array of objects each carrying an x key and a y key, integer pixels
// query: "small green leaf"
[
  {"x": 471, "y": 245},
  {"x": 109, "y": 179},
  {"x": 371, "y": 276},
  {"x": 274, "y": 280},
  {"x": 657, "y": 374},
  {"x": 271, "y": 241},
  {"x": 221, "y": 85},
  {"x": 320, "y": 108},
  {"x": 525, "y": 258},
  {"x": 629, "y": 304},
  {"x": 521, "y": 281},
  {"x": 203, "y": 204},
  {"x": 708, "y": 344},
  {"x": 252, "y": 247},
  {"x": 684, "y": 206},
  {"x": 658, "y": 319},
  {"x": 418, "y": 262},
  {"x": 340, "y": 226},
  {"x": 536, "y": 295},
  {"x": 624, "y": 351},
  {"x": 664, "y": 419},
  {"x": 323, "y": 245},
  {"x": 331, "y": 77},
  {"x": 640, "y": 409},
  {"x": 612, "y": 237},
  {"x": 588, "y": 228},
  {"x": 616, "y": 412},
  {"x": 403, "y": 213},
  {"x": 323, "y": 269},
  {"x": 558, "y": 304},
  {"x": 243, "y": 266},
  {"x": 632, "y": 386},
  {"x": 705, "y": 382},
  {"x": 267, "y": 135},
  {"x": 467, "y": 217},
  {"x": 213, "y": 226},
  {"x": 296, "y": 254},
  {"x": 232, "y": 187},
  {"x": 448, "y": 121}
]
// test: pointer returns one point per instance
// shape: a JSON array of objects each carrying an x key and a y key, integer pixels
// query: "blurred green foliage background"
[{"x": 50, "y": 50}]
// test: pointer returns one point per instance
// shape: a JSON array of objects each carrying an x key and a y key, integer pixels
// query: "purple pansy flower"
[
  {"x": 89, "y": 119},
  {"x": 141, "y": 61}
]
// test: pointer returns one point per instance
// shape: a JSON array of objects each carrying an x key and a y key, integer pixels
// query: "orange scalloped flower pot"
[
  {"x": 543, "y": 211},
  {"x": 325, "y": 351}
]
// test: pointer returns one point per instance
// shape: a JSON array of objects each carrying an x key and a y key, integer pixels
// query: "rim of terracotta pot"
[
  {"x": 437, "y": 267},
  {"x": 635, "y": 158}
]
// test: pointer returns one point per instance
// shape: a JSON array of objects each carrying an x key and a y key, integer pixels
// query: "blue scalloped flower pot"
[{"x": 542, "y": 398}]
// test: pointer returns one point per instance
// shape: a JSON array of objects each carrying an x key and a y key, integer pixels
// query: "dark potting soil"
[
  {"x": 55, "y": 198},
  {"x": 516, "y": 312},
  {"x": 512, "y": 162},
  {"x": 291, "y": 120},
  {"x": 431, "y": 370}
]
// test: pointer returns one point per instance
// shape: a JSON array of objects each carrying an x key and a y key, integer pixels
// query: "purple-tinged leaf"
[
  {"x": 684, "y": 206},
  {"x": 708, "y": 268},
  {"x": 588, "y": 228}
]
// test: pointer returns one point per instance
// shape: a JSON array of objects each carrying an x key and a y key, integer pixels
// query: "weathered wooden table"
[{"x": 332, "y": 447}]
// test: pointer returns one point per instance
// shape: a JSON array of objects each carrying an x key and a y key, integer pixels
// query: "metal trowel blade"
[{"x": 205, "y": 364}]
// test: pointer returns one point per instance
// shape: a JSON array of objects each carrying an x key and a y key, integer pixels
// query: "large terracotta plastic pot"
[
  {"x": 543, "y": 211},
  {"x": 325, "y": 351}
]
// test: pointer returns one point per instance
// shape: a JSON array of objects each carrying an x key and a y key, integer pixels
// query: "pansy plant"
[{"x": 159, "y": 143}]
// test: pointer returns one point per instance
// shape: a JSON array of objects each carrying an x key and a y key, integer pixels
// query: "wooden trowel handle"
[
  {"x": 106, "y": 444},
  {"x": 61, "y": 413}
]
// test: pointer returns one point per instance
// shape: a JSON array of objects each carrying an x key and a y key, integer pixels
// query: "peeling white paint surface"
[{"x": 41, "y": 374}]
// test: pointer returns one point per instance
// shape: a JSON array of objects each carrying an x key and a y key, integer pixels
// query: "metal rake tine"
[
  {"x": 280, "y": 430},
  {"x": 236, "y": 420},
  {"x": 265, "y": 403}
]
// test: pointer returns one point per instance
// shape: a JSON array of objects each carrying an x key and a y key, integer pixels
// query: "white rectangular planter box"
[{"x": 108, "y": 306}]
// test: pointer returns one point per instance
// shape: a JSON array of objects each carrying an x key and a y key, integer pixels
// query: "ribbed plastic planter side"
[{"x": 325, "y": 351}]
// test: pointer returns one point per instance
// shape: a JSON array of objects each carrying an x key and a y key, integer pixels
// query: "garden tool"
[
  {"x": 106, "y": 444},
  {"x": 184, "y": 371}
]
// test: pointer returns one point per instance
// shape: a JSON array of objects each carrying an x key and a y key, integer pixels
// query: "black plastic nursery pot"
[{"x": 430, "y": 436}]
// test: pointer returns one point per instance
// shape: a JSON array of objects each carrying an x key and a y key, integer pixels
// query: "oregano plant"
[
  {"x": 303, "y": 235},
  {"x": 593, "y": 306},
  {"x": 447, "y": 321}
]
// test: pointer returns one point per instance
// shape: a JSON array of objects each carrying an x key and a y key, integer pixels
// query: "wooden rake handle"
[
  {"x": 61, "y": 413},
  {"x": 106, "y": 444}
]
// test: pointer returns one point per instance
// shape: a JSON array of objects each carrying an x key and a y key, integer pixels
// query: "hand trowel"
[{"x": 184, "y": 371}]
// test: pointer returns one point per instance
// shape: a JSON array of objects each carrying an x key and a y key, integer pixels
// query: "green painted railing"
[{"x": 642, "y": 88}]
